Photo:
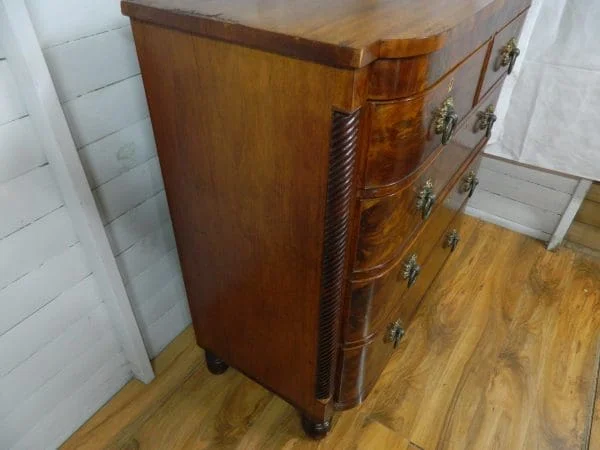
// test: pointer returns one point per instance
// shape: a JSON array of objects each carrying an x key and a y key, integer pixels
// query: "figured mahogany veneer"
[{"x": 294, "y": 139}]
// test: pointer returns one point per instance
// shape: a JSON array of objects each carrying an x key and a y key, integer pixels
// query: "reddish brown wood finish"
[
  {"x": 387, "y": 222},
  {"x": 371, "y": 299},
  {"x": 337, "y": 32},
  {"x": 246, "y": 177},
  {"x": 494, "y": 69},
  {"x": 403, "y": 77},
  {"x": 361, "y": 363},
  {"x": 403, "y": 133}
]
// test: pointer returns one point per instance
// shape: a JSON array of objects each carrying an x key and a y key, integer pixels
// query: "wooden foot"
[
  {"x": 315, "y": 430},
  {"x": 215, "y": 365}
]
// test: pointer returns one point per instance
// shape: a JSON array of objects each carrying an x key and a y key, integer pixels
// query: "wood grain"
[
  {"x": 501, "y": 355},
  {"x": 339, "y": 33},
  {"x": 586, "y": 235},
  {"x": 594, "y": 193},
  {"x": 589, "y": 213}
]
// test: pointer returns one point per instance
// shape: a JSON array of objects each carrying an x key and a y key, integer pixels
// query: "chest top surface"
[{"x": 344, "y": 33}]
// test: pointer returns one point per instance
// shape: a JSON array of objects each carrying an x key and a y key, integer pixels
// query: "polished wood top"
[{"x": 344, "y": 33}]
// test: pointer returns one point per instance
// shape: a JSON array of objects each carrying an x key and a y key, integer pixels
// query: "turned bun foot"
[
  {"x": 215, "y": 365},
  {"x": 315, "y": 430}
]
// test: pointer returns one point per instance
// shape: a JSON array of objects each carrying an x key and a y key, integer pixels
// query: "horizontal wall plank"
[
  {"x": 128, "y": 190},
  {"x": 105, "y": 111},
  {"x": 44, "y": 401},
  {"x": 136, "y": 223},
  {"x": 145, "y": 252},
  {"x": 159, "y": 334},
  {"x": 508, "y": 224},
  {"x": 25, "y": 199},
  {"x": 527, "y": 215},
  {"x": 85, "y": 65},
  {"x": 20, "y": 149},
  {"x": 22, "y": 341},
  {"x": 523, "y": 191},
  {"x": 61, "y": 21},
  {"x": 11, "y": 104},
  {"x": 28, "y": 248},
  {"x": 33, "y": 291},
  {"x": 74, "y": 341},
  {"x": 73, "y": 410},
  {"x": 562, "y": 183},
  {"x": 118, "y": 153},
  {"x": 162, "y": 301},
  {"x": 150, "y": 281}
]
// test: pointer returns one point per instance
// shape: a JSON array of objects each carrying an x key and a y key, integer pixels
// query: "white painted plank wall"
[
  {"x": 523, "y": 199},
  {"x": 59, "y": 358},
  {"x": 90, "y": 52}
]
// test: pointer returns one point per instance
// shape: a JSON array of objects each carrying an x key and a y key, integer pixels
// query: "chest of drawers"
[{"x": 317, "y": 157}]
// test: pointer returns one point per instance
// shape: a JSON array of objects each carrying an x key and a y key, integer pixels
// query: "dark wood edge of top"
[{"x": 319, "y": 52}]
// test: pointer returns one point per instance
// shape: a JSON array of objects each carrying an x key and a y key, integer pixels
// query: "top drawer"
[
  {"x": 405, "y": 132},
  {"x": 505, "y": 51}
]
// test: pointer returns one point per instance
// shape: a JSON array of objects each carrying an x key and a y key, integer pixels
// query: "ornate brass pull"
[
  {"x": 411, "y": 270},
  {"x": 426, "y": 199},
  {"x": 446, "y": 120},
  {"x": 509, "y": 55},
  {"x": 486, "y": 121},
  {"x": 395, "y": 333},
  {"x": 452, "y": 240},
  {"x": 470, "y": 183}
]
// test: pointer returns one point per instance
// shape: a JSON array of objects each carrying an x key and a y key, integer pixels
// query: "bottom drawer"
[{"x": 361, "y": 365}]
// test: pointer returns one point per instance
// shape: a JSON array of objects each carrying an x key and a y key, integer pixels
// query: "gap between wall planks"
[{"x": 23, "y": 49}]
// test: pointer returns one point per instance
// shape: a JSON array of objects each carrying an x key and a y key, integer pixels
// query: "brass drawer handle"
[
  {"x": 395, "y": 333},
  {"x": 509, "y": 55},
  {"x": 452, "y": 240},
  {"x": 411, "y": 270},
  {"x": 486, "y": 121},
  {"x": 470, "y": 183},
  {"x": 426, "y": 199},
  {"x": 446, "y": 120}
]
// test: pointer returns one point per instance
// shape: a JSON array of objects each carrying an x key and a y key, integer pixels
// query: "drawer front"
[
  {"x": 387, "y": 222},
  {"x": 405, "y": 132},
  {"x": 372, "y": 302},
  {"x": 505, "y": 49},
  {"x": 361, "y": 365}
]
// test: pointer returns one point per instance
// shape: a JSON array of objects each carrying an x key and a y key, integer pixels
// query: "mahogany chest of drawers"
[{"x": 317, "y": 157}]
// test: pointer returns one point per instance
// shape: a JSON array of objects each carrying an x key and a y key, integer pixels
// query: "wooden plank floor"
[{"x": 503, "y": 354}]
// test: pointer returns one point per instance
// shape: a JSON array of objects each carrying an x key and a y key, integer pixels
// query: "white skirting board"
[{"x": 527, "y": 200}]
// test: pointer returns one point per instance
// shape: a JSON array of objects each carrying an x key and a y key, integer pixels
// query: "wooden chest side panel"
[{"x": 243, "y": 138}]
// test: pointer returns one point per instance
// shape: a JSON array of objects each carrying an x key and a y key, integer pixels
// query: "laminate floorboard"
[{"x": 503, "y": 354}]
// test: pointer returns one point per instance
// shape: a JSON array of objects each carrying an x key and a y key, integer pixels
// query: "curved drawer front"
[
  {"x": 361, "y": 365},
  {"x": 404, "y": 133},
  {"x": 373, "y": 301},
  {"x": 505, "y": 48},
  {"x": 387, "y": 222}
]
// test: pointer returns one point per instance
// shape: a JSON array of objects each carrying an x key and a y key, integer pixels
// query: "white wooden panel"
[
  {"x": 136, "y": 223},
  {"x": 39, "y": 287},
  {"x": 162, "y": 301},
  {"x": 27, "y": 198},
  {"x": 22, "y": 341},
  {"x": 20, "y": 149},
  {"x": 118, "y": 153},
  {"x": 523, "y": 191},
  {"x": 105, "y": 111},
  {"x": 562, "y": 183},
  {"x": 81, "y": 66},
  {"x": 74, "y": 409},
  {"x": 153, "y": 279},
  {"x": 145, "y": 252},
  {"x": 60, "y": 21},
  {"x": 509, "y": 224},
  {"x": 74, "y": 341},
  {"x": 22, "y": 252},
  {"x": 45, "y": 400},
  {"x": 527, "y": 215},
  {"x": 128, "y": 190},
  {"x": 158, "y": 334},
  {"x": 11, "y": 105}
]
